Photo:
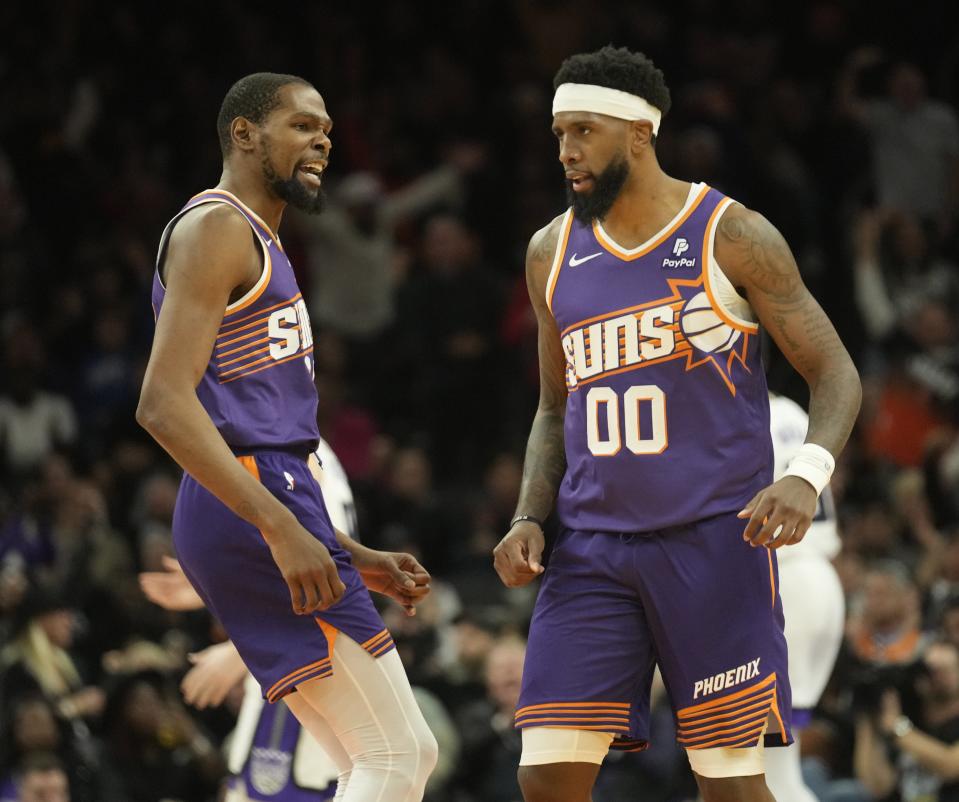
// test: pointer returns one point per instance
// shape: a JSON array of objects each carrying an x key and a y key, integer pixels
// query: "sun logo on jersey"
[{"x": 682, "y": 325}]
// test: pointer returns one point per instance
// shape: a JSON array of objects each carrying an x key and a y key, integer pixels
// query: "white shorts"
[{"x": 815, "y": 610}]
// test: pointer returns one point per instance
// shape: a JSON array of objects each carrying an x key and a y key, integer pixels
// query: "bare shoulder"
[
  {"x": 754, "y": 255},
  {"x": 214, "y": 240},
  {"x": 540, "y": 253}
]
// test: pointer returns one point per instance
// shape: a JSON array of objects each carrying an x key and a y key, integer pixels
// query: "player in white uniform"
[
  {"x": 271, "y": 756},
  {"x": 813, "y": 604}
]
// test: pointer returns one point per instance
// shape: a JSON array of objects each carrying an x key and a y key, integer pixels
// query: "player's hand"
[
  {"x": 170, "y": 588},
  {"x": 517, "y": 556},
  {"x": 394, "y": 574},
  {"x": 216, "y": 670},
  {"x": 786, "y": 507},
  {"x": 307, "y": 568}
]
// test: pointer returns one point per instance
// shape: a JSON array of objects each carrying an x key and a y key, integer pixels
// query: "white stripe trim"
[
  {"x": 558, "y": 256},
  {"x": 722, "y": 292},
  {"x": 694, "y": 192},
  {"x": 267, "y": 260}
]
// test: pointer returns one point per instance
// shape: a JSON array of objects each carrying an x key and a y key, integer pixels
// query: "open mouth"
[
  {"x": 580, "y": 181},
  {"x": 312, "y": 172}
]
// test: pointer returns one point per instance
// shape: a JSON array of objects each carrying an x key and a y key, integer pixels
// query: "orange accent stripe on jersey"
[
  {"x": 376, "y": 640},
  {"x": 242, "y": 347},
  {"x": 317, "y": 670},
  {"x": 241, "y": 358},
  {"x": 253, "y": 333},
  {"x": 727, "y": 726},
  {"x": 265, "y": 367},
  {"x": 764, "y": 701},
  {"x": 610, "y": 723},
  {"x": 751, "y": 328},
  {"x": 723, "y": 701},
  {"x": 675, "y": 302},
  {"x": 724, "y": 732},
  {"x": 251, "y": 467},
  {"x": 294, "y": 674},
  {"x": 255, "y": 314},
  {"x": 381, "y": 650},
  {"x": 248, "y": 345},
  {"x": 680, "y": 352},
  {"x": 247, "y": 365},
  {"x": 615, "y": 249},
  {"x": 772, "y": 577},
  {"x": 378, "y": 636},
  {"x": 329, "y": 631},
  {"x": 620, "y": 705},
  {"x": 743, "y": 739},
  {"x": 597, "y": 727},
  {"x": 779, "y": 718},
  {"x": 261, "y": 284},
  {"x": 558, "y": 258}
]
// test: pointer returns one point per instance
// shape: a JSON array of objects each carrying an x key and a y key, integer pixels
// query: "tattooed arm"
[
  {"x": 757, "y": 260},
  {"x": 517, "y": 557}
]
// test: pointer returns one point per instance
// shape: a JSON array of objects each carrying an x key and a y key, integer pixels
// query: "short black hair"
[
  {"x": 253, "y": 97},
  {"x": 617, "y": 68}
]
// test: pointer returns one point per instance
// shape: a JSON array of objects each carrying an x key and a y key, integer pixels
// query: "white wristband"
[{"x": 814, "y": 464}]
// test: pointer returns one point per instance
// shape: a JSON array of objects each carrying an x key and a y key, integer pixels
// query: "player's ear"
[
  {"x": 243, "y": 133},
  {"x": 640, "y": 135}
]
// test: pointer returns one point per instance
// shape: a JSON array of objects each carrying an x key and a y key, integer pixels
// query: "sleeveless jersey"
[
  {"x": 258, "y": 387},
  {"x": 667, "y": 417}
]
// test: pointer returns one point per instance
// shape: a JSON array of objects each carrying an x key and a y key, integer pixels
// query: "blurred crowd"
[{"x": 835, "y": 118}]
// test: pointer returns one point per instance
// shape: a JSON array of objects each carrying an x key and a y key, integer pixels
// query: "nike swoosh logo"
[{"x": 573, "y": 261}]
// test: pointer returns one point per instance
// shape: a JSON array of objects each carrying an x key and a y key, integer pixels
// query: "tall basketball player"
[
  {"x": 653, "y": 429},
  {"x": 229, "y": 393},
  {"x": 271, "y": 756}
]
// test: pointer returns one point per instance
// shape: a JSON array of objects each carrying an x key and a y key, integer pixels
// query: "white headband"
[{"x": 603, "y": 100}]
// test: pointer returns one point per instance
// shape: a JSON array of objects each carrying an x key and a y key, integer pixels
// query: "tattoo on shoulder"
[{"x": 760, "y": 250}]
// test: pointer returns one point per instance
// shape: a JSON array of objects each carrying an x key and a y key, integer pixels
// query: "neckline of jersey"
[
  {"x": 242, "y": 205},
  {"x": 697, "y": 191}
]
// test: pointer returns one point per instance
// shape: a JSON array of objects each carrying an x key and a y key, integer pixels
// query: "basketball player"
[
  {"x": 229, "y": 393},
  {"x": 653, "y": 428},
  {"x": 813, "y": 604},
  {"x": 271, "y": 756}
]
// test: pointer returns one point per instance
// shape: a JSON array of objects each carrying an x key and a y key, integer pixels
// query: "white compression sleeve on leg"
[{"x": 369, "y": 706}]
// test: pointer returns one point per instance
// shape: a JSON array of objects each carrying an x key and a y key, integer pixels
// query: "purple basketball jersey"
[
  {"x": 258, "y": 387},
  {"x": 667, "y": 419}
]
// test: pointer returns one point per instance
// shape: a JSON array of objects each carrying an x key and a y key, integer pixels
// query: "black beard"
[
  {"x": 292, "y": 189},
  {"x": 608, "y": 184}
]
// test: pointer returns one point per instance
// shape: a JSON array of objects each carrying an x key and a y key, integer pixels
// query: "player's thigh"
[
  {"x": 734, "y": 789},
  {"x": 712, "y": 603},
  {"x": 369, "y": 706},
  {"x": 557, "y": 782},
  {"x": 589, "y": 657}
]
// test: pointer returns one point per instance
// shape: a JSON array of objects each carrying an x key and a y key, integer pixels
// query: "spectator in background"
[
  {"x": 33, "y": 729},
  {"x": 42, "y": 779},
  {"x": 915, "y": 140},
  {"x": 156, "y": 749},
  {"x": 450, "y": 316},
  {"x": 33, "y": 421},
  {"x": 919, "y": 760},
  {"x": 487, "y": 726},
  {"x": 885, "y": 626},
  {"x": 38, "y": 659}
]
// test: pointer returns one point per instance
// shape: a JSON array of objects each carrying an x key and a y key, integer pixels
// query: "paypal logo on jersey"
[{"x": 680, "y": 246}]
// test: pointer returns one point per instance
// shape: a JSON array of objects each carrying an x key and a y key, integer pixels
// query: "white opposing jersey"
[
  {"x": 337, "y": 496},
  {"x": 788, "y": 423}
]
